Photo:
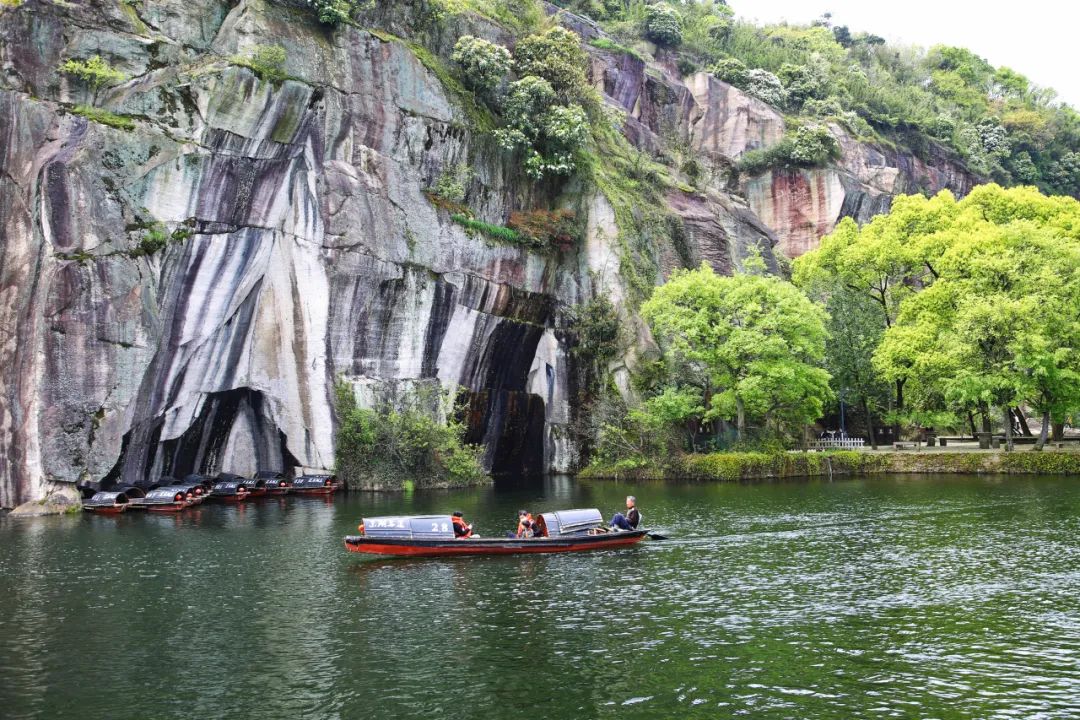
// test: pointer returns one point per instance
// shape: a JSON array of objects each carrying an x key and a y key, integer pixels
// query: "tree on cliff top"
[{"x": 751, "y": 344}]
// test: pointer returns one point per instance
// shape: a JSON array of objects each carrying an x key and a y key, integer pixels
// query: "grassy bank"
[{"x": 733, "y": 466}]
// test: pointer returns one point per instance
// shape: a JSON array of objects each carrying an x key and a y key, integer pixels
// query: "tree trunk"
[
  {"x": 1007, "y": 412},
  {"x": 740, "y": 419},
  {"x": 971, "y": 421},
  {"x": 1059, "y": 431},
  {"x": 869, "y": 422},
  {"x": 899, "y": 407},
  {"x": 1024, "y": 429},
  {"x": 1043, "y": 432},
  {"x": 985, "y": 412}
]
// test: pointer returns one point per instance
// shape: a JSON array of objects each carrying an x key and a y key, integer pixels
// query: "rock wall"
[
  {"x": 802, "y": 205},
  {"x": 300, "y": 249}
]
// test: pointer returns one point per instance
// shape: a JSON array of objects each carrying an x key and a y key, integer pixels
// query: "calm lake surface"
[{"x": 905, "y": 597}]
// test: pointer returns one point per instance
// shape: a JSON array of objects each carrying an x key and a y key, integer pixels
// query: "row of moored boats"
[{"x": 172, "y": 495}]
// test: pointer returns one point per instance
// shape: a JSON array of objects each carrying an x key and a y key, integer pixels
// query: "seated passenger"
[
  {"x": 631, "y": 519},
  {"x": 525, "y": 524},
  {"x": 461, "y": 528}
]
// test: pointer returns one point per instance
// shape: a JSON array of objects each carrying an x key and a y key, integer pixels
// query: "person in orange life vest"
[
  {"x": 525, "y": 524},
  {"x": 461, "y": 528},
  {"x": 631, "y": 519}
]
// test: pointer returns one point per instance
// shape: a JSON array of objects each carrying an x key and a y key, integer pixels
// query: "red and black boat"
[
  {"x": 276, "y": 483},
  {"x": 230, "y": 490},
  {"x": 433, "y": 536},
  {"x": 256, "y": 487},
  {"x": 112, "y": 502},
  {"x": 165, "y": 499},
  {"x": 316, "y": 485}
]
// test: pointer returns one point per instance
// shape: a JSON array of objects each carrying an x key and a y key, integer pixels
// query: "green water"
[{"x": 913, "y": 597}]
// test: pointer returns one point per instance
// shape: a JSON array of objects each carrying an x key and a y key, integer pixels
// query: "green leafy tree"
[
  {"x": 885, "y": 260},
  {"x": 753, "y": 344},
  {"x": 765, "y": 86},
  {"x": 730, "y": 70},
  {"x": 999, "y": 322},
  {"x": 484, "y": 64},
  {"x": 95, "y": 72},
  {"x": 855, "y": 330},
  {"x": 335, "y": 12},
  {"x": 548, "y": 133},
  {"x": 662, "y": 25},
  {"x": 555, "y": 56}
]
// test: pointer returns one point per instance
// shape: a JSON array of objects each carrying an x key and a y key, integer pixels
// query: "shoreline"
[{"x": 743, "y": 466}]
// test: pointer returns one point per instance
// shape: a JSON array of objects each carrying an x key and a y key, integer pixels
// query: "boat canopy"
[
  {"x": 314, "y": 481},
  {"x": 428, "y": 527},
  {"x": 230, "y": 477},
  {"x": 193, "y": 488},
  {"x": 108, "y": 499},
  {"x": 269, "y": 475},
  {"x": 196, "y": 479},
  {"x": 165, "y": 496},
  {"x": 569, "y": 522}
]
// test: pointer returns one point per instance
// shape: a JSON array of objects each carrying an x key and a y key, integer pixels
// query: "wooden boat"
[
  {"x": 256, "y": 487},
  {"x": 316, "y": 485},
  {"x": 196, "y": 492},
  {"x": 433, "y": 536},
  {"x": 112, "y": 502},
  {"x": 276, "y": 483},
  {"x": 230, "y": 491},
  {"x": 165, "y": 499}
]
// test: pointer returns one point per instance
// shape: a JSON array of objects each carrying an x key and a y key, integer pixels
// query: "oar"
[{"x": 655, "y": 536}]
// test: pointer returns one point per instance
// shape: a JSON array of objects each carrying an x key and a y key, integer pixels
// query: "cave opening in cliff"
[{"x": 233, "y": 432}]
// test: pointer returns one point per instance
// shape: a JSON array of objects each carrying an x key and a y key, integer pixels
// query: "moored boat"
[
  {"x": 195, "y": 492},
  {"x": 230, "y": 491},
  {"x": 316, "y": 484},
  {"x": 112, "y": 502},
  {"x": 433, "y": 536},
  {"x": 276, "y": 483},
  {"x": 165, "y": 499}
]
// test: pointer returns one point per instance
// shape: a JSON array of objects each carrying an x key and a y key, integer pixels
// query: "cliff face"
[
  {"x": 802, "y": 205},
  {"x": 300, "y": 248}
]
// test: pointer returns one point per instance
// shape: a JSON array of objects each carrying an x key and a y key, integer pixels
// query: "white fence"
[{"x": 836, "y": 444}]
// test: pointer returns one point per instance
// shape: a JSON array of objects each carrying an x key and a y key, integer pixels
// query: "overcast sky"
[{"x": 1038, "y": 38}]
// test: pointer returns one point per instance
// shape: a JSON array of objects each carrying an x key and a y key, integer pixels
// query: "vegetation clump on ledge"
[
  {"x": 104, "y": 117},
  {"x": 737, "y": 466},
  {"x": 266, "y": 61}
]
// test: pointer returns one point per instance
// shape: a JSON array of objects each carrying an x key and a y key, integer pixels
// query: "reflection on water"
[{"x": 892, "y": 597}]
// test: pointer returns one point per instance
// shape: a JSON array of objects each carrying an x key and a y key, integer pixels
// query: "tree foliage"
[
  {"x": 484, "y": 64},
  {"x": 980, "y": 297},
  {"x": 547, "y": 132},
  {"x": 751, "y": 346},
  {"x": 662, "y": 25},
  {"x": 557, "y": 57},
  {"x": 404, "y": 440},
  {"x": 810, "y": 145}
]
